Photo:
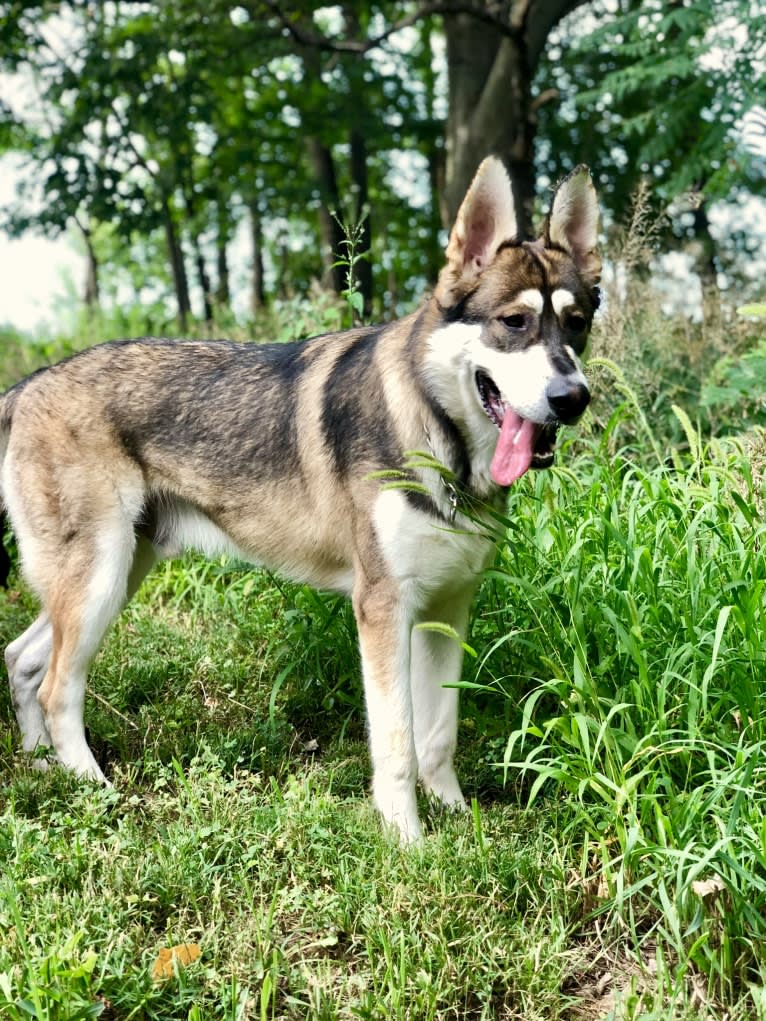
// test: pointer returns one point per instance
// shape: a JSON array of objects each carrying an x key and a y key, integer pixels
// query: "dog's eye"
[
  {"x": 515, "y": 322},
  {"x": 575, "y": 323}
]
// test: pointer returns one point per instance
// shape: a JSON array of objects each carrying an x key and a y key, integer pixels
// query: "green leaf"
[
  {"x": 692, "y": 436},
  {"x": 448, "y": 631},
  {"x": 356, "y": 301}
]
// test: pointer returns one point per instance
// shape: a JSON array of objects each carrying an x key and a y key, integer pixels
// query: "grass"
[
  {"x": 612, "y": 741},
  {"x": 298, "y": 906},
  {"x": 647, "y": 710}
]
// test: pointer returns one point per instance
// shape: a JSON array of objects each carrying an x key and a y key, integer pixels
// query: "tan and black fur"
[{"x": 135, "y": 450}]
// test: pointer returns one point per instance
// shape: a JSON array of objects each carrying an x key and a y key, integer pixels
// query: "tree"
[
  {"x": 179, "y": 120},
  {"x": 491, "y": 66},
  {"x": 658, "y": 91},
  {"x": 176, "y": 123},
  {"x": 493, "y": 50}
]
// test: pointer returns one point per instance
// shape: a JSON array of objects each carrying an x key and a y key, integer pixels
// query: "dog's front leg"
[
  {"x": 385, "y": 623},
  {"x": 435, "y": 670}
]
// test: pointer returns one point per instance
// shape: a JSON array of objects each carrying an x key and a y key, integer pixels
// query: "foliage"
[
  {"x": 175, "y": 128},
  {"x": 733, "y": 394},
  {"x": 634, "y": 594},
  {"x": 58, "y": 986},
  {"x": 666, "y": 94},
  {"x": 174, "y": 137},
  {"x": 299, "y": 905},
  {"x": 663, "y": 89}
]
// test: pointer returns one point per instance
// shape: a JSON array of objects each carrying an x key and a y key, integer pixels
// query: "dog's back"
[{"x": 262, "y": 450}]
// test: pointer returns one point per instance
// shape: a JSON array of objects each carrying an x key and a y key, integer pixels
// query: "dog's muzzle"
[
  {"x": 567, "y": 399},
  {"x": 523, "y": 444}
]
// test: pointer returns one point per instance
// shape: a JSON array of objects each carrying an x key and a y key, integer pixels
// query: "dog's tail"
[{"x": 7, "y": 405}]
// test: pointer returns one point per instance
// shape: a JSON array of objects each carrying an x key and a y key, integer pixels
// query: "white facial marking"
[
  {"x": 561, "y": 299},
  {"x": 532, "y": 298},
  {"x": 451, "y": 367},
  {"x": 522, "y": 378},
  {"x": 456, "y": 352}
]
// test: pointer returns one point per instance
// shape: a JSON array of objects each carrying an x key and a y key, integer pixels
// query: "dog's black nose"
[{"x": 568, "y": 400}]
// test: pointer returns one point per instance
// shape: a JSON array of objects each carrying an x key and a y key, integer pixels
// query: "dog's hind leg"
[
  {"x": 436, "y": 660},
  {"x": 27, "y": 659},
  {"x": 84, "y": 594},
  {"x": 28, "y": 656}
]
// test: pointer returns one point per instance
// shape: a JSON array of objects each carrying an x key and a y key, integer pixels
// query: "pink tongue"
[{"x": 513, "y": 453}]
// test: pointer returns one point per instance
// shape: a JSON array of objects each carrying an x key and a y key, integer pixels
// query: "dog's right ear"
[
  {"x": 573, "y": 223},
  {"x": 485, "y": 220}
]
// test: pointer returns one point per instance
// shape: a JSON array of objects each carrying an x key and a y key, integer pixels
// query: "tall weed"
[
  {"x": 702, "y": 363},
  {"x": 635, "y": 588}
]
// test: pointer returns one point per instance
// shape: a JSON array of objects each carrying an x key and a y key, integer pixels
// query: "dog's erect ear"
[
  {"x": 573, "y": 223},
  {"x": 485, "y": 220}
]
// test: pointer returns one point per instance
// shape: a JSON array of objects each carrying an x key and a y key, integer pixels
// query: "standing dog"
[{"x": 135, "y": 450}]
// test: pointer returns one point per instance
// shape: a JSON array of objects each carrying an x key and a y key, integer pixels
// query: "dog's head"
[{"x": 514, "y": 317}]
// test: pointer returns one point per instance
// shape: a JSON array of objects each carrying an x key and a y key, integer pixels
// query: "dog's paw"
[
  {"x": 399, "y": 813},
  {"x": 442, "y": 787}
]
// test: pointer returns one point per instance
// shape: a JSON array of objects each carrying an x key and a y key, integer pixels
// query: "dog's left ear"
[
  {"x": 573, "y": 223},
  {"x": 484, "y": 221}
]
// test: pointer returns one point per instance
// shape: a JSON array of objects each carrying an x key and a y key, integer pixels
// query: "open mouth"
[{"x": 521, "y": 444}]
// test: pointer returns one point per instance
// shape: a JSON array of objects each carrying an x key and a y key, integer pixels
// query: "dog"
[
  {"x": 5, "y": 559},
  {"x": 132, "y": 451}
]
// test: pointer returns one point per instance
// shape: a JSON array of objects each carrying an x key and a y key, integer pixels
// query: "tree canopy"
[{"x": 183, "y": 128}]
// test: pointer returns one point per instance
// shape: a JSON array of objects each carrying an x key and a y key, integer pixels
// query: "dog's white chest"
[{"x": 419, "y": 550}]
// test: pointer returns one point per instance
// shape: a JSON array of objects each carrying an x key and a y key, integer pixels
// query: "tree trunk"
[
  {"x": 358, "y": 162},
  {"x": 432, "y": 249},
  {"x": 707, "y": 267},
  {"x": 283, "y": 261},
  {"x": 438, "y": 214},
  {"x": 707, "y": 249},
  {"x": 222, "y": 291},
  {"x": 490, "y": 100},
  {"x": 330, "y": 231},
  {"x": 203, "y": 279},
  {"x": 391, "y": 294},
  {"x": 92, "y": 293},
  {"x": 257, "y": 293},
  {"x": 178, "y": 269}
]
